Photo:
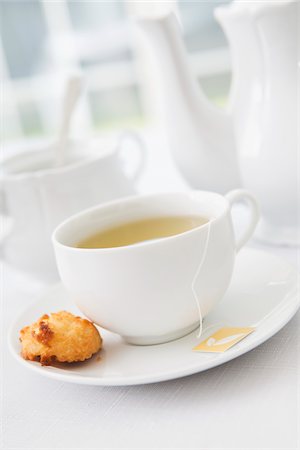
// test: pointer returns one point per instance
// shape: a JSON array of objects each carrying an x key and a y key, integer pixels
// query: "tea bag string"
[
  {"x": 253, "y": 325},
  {"x": 195, "y": 278}
]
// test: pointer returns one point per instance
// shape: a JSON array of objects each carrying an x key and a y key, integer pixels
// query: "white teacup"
[
  {"x": 153, "y": 291},
  {"x": 37, "y": 196}
]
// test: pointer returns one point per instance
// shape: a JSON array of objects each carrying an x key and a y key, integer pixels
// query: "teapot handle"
[
  {"x": 140, "y": 145},
  {"x": 242, "y": 195}
]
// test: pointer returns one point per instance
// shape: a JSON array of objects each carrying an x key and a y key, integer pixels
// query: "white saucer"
[{"x": 263, "y": 291}]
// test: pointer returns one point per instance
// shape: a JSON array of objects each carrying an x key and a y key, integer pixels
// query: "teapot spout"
[{"x": 200, "y": 134}]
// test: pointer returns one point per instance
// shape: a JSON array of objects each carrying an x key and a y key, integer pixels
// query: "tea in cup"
[{"x": 144, "y": 266}]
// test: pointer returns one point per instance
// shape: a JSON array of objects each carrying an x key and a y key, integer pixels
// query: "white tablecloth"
[{"x": 248, "y": 403}]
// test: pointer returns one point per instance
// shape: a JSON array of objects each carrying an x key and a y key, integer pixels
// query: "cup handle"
[
  {"x": 236, "y": 196},
  {"x": 140, "y": 145}
]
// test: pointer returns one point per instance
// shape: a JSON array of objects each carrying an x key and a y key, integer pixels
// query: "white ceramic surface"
[
  {"x": 200, "y": 135},
  {"x": 36, "y": 196},
  {"x": 153, "y": 291},
  {"x": 263, "y": 44},
  {"x": 254, "y": 142},
  {"x": 264, "y": 292}
]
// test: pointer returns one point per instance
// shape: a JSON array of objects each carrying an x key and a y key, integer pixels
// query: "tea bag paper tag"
[{"x": 223, "y": 339}]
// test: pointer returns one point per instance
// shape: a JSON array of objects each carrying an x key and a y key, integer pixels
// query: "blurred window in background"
[{"x": 42, "y": 41}]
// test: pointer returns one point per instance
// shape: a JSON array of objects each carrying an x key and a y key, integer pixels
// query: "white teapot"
[
  {"x": 37, "y": 196},
  {"x": 254, "y": 142}
]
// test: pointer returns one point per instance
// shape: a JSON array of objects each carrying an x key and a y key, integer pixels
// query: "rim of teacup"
[
  {"x": 63, "y": 226},
  {"x": 82, "y": 152}
]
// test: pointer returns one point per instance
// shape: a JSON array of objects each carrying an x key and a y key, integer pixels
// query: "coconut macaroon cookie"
[{"x": 60, "y": 337}]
